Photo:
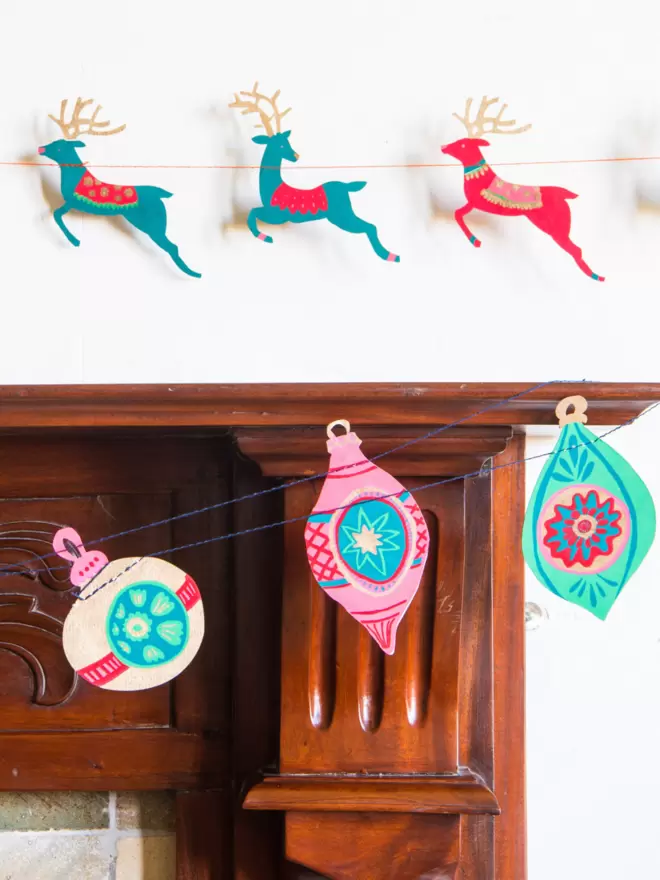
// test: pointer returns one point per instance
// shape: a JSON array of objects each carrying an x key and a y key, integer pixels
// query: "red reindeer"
[{"x": 545, "y": 206}]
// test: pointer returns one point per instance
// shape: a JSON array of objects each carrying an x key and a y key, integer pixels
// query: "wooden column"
[{"x": 386, "y": 764}]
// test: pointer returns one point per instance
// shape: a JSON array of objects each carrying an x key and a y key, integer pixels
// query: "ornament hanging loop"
[
  {"x": 339, "y": 423},
  {"x": 578, "y": 406}
]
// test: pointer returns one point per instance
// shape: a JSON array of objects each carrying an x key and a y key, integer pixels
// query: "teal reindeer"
[
  {"x": 281, "y": 203},
  {"x": 142, "y": 206}
]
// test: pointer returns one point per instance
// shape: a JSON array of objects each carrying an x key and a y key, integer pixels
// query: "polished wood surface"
[
  {"x": 112, "y": 759},
  {"x": 303, "y": 404},
  {"x": 464, "y": 793},
  {"x": 299, "y": 751}
]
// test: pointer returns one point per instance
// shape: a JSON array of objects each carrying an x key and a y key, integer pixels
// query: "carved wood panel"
[{"x": 349, "y": 707}]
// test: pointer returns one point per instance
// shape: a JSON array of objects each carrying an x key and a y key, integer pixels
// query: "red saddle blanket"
[
  {"x": 513, "y": 195},
  {"x": 301, "y": 201},
  {"x": 96, "y": 192}
]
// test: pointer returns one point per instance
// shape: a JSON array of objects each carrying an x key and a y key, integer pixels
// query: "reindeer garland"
[
  {"x": 545, "y": 206},
  {"x": 142, "y": 206},
  {"x": 281, "y": 203}
]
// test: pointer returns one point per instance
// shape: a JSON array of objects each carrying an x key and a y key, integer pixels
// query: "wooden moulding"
[
  {"x": 144, "y": 406},
  {"x": 115, "y": 759},
  {"x": 451, "y": 794}
]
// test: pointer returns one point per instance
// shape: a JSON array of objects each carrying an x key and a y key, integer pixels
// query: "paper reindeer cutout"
[
  {"x": 140, "y": 629},
  {"x": 281, "y": 203},
  {"x": 545, "y": 206},
  {"x": 366, "y": 551},
  {"x": 142, "y": 206},
  {"x": 590, "y": 521}
]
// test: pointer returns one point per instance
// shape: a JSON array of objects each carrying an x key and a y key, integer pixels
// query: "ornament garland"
[{"x": 138, "y": 622}]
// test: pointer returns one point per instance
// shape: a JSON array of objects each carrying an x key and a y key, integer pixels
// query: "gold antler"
[
  {"x": 245, "y": 105},
  {"x": 73, "y": 128},
  {"x": 477, "y": 127}
]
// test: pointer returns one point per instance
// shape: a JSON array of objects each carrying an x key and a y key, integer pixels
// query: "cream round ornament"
[{"x": 138, "y": 622}]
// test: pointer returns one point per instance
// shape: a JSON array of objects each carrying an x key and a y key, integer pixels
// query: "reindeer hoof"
[
  {"x": 475, "y": 241},
  {"x": 267, "y": 238},
  {"x": 393, "y": 258},
  {"x": 597, "y": 277}
]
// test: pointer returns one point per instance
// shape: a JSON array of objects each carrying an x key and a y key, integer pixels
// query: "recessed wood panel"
[{"x": 349, "y": 707}]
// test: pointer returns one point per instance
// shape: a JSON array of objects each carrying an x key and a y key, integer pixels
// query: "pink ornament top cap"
[
  {"x": 86, "y": 564},
  {"x": 344, "y": 449}
]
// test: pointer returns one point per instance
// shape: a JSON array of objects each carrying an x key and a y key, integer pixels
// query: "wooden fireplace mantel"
[
  {"x": 23, "y": 406},
  {"x": 295, "y": 745}
]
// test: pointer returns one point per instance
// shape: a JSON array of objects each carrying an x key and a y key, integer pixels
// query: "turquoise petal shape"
[
  {"x": 171, "y": 631},
  {"x": 589, "y": 523}
]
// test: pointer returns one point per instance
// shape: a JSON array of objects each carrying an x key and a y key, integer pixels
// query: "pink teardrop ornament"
[{"x": 367, "y": 541}]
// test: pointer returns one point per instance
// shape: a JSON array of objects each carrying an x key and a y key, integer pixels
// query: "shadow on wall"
[
  {"x": 53, "y": 199},
  {"x": 243, "y": 183}
]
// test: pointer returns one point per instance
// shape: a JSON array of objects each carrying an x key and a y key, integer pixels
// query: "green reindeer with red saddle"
[
  {"x": 82, "y": 191},
  {"x": 282, "y": 203}
]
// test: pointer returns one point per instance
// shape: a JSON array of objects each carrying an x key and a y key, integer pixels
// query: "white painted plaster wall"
[{"x": 373, "y": 84}]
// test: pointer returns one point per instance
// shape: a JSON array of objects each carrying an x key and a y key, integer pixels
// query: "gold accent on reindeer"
[
  {"x": 252, "y": 106},
  {"x": 477, "y": 127},
  {"x": 74, "y": 128}
]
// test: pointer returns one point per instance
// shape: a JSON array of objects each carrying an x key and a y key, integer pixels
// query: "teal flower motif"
[
  {"x": 152, "y": 654},
  {"x": 138, "y": 597},
  {"x": 161, "y": 605},
  {"x": 171, "y": 631},
  {"x": 147, "y": 625},
  {"x": 137, "y": 626}
]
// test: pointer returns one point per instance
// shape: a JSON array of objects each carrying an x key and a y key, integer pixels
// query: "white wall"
[
  {"x": 593, "y": 713},
  {"x": 371, "y": 84}
]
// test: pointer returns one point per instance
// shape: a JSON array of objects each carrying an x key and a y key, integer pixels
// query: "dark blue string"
[
  {"x": 285, "y": 522},
  {"x": 286, "y": 485}
]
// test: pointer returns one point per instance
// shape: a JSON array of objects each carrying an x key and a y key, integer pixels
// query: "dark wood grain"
[
  {"x": 203, "y": 817},
  {"x": 289, "y": 718},
  {"x": 115, "y": 759},
  {"x": 304, "y": 404},
  {"x": 464, "y": 793},
  {"x": 509, "y": 659},
  {"x": 255, "y": 611},
  {"x": 353, "y": 846}
]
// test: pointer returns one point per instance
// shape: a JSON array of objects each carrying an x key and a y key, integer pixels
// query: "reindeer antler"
[
  {"x": 73, "y": 128},
  {"x": 249, "y": 103},
  {"x": 475, "y": 128}
]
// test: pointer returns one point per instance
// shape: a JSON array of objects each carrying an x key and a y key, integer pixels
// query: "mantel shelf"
[
  {"x": 462, "y": 793},
  {"x": 211, "y": 406}
]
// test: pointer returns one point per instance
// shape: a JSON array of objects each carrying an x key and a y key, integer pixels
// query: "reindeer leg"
[
  {"x": 351, "y": 223},
  {"x": 58, "y": 214},
  {"x": 459, "y": 219},
  {"x": 265, "y": 216}
]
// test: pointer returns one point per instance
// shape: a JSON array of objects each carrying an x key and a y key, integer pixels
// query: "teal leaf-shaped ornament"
[{"x": 590, "y": 521}]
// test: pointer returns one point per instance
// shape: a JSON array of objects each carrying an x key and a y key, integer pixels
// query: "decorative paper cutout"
[
  {"x": 282, "y": 203},
  {"x": 590, "y": 521},
  {"x": 368, "y": 555},
  {"x": 140, "y": 630},
  {"x": 545, "y": 206},
  {"x": 142, "y": 206}
]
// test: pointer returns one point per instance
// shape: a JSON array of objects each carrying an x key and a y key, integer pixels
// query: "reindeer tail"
[
  {"x": 354, "y": 187},
  {"x": 562, "y": 193}
]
